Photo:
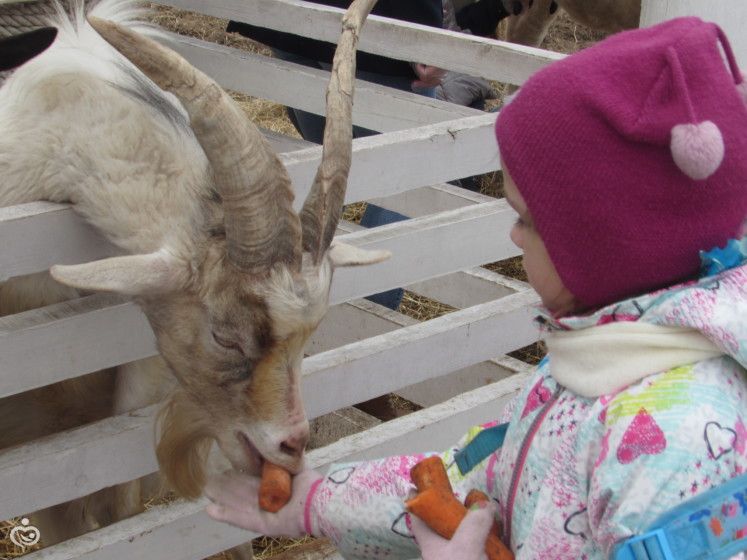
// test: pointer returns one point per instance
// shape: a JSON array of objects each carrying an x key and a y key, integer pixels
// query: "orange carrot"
[
  {"x": 442, "y": 512},
  {"x": 496, "y": 550},
  {"x": 437, "y": 506},
  {"x": 475, "y": 497},
  {"x": 275, "y": 488},
  {"x": 430, "y": 473}
]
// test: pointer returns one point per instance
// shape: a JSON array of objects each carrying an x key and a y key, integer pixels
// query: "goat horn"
[
  {"x": 261, "y": 227},
  {"x": 323, "y": 206}
]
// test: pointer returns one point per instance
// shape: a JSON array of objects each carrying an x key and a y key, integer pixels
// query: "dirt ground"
[{"x": 564, "y": 36}]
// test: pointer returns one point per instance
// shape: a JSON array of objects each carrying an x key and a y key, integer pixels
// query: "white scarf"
[{"x": 601, "y": 360}]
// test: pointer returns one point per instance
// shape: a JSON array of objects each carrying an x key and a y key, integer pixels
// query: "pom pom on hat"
[{"x": 697, "y": 149}]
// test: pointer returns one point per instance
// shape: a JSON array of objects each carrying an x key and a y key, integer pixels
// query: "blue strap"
[
  {"x": 480, "y": 448},
  {"x": 711, "y": 526}
]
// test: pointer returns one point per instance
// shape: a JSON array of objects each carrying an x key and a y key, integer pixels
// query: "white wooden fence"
[{"x": 453, "y": 365}]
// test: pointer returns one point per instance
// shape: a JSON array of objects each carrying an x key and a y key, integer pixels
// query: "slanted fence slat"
[
  {"x": 496, "y": 60},
  {"x": 376, "y": 107},
  {"x": 64, "y": 340},
  {"x": 31, "y": 241}
]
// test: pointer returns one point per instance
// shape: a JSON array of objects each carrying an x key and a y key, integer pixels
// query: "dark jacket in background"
[
  {"x": 482, "y": 17},
  {"x": 426, "y": 12}
]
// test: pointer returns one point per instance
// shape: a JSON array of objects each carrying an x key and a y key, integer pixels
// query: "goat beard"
[{"x": 184, "y": 445}]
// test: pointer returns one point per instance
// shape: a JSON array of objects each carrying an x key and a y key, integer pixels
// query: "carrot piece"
[
  {"x": 275, "y": 487},
  {"x": 430, "y": 473},
  {"x": 441, "y": 511},
  {"x": 437, "y": 506},
  {"x": 475, "y": 496},
  {"x": 496, "y": 550}
]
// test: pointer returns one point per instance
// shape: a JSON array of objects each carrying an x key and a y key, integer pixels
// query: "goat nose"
[
  {"x": 296, "y": 442},
  {"x": 516, "y": 8}
]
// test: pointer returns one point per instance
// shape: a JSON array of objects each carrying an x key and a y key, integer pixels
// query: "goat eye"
[
  {"x": 239, "y": 376},
  {"x": 226, "y": 343},
  {"x": 245, "y": 373}
]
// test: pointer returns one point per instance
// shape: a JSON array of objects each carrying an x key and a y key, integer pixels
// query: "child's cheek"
[{"x": 516, "y": 236}]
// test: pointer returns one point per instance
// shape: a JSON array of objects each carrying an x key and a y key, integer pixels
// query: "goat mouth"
[{"x": 253, "y": 456}]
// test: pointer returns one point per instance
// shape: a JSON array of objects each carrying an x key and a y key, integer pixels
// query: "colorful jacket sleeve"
[{"x": 360, "y": 506}]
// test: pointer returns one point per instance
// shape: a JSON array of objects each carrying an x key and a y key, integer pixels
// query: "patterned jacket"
[{"x": 577, "y": 474}]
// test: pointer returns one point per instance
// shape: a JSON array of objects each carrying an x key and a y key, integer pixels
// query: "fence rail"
[{"x": 495, "y": 60}]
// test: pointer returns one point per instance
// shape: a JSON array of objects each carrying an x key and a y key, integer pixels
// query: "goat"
[
  {"x": 232, "y": 280},
  {"x": 529, "y": 26}
]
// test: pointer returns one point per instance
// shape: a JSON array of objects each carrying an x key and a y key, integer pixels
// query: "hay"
[
  {"x": 266, "y": 547},
  {"x": 567, "y": 36},
  {"x": 354, "y": 212},
  {"x": 422, "y": 308}
]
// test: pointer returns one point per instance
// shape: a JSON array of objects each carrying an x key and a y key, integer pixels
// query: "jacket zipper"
[{"x": 523, "y": 453}]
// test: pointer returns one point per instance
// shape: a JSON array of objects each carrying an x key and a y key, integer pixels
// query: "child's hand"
[
  {"x": 235, "y": 501},
  {"x": 468, "y": 542},
  {"x": 428, "y": 76}
]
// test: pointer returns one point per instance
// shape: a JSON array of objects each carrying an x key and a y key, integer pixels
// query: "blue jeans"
[{"x": 311, "y": 128}]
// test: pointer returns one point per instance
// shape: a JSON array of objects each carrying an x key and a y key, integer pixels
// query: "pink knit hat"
[{"x": 632, "y": 156}]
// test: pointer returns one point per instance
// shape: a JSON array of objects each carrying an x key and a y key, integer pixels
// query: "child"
[{"x": 623, "y": 162}]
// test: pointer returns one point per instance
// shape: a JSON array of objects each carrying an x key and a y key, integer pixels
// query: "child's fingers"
[
  {"x": 242, "y": 519},
  {"x": 468, "y": 542},
  {"x": 428, "y": 541},
  {"x": 473, "y": 531},
  {"x": 234, "y": 490}
]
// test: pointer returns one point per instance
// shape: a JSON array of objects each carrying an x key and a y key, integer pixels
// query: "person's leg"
[
  {"x": 308, "y": 125},
  {"x": 374, "y": 215}
]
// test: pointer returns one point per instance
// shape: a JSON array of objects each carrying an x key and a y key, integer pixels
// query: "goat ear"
[
  {"x": 342, "y": 254},
  {"x": 152, "y": 273}
]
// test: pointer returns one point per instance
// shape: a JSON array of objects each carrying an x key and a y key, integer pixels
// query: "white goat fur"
[{"x": 142, "y": 202}]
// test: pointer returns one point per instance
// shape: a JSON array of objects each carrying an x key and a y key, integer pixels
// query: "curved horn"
[
  {"x": 323, "y": 207},
  {"x": 261, "y": 227}
]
